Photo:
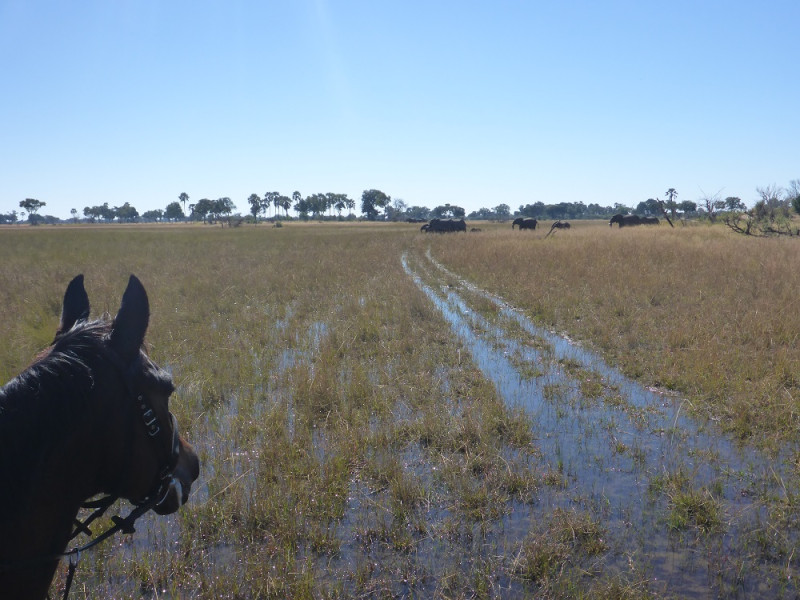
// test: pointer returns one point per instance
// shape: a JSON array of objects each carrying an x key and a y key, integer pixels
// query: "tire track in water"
[{"x": 620, "y": 445}]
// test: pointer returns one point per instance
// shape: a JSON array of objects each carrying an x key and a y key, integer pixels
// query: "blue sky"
[{"x": 461, "y": 102}]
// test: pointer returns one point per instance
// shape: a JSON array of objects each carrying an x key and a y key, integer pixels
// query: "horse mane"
[
  {"x": 64, "y": 368},
  {"x": 59, "y": 371}
]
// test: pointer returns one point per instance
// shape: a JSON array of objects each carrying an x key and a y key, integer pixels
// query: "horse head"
[
  {"x": 90, "y": 416},
  {"x": 147, "y": 459}
]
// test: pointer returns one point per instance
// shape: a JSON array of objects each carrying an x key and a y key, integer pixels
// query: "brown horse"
[{"x": 90, "y": 416}]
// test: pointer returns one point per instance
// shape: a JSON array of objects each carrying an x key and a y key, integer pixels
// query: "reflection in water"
[{"x": 619, "y": 445}]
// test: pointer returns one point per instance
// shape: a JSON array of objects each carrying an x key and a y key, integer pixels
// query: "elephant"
[
  {"x": 445, "y": 225},
  {"x": 625, "y": 220},
  {"x": 524, "y": 223},
  {"x": 557, "y": 225},
  {"x": 628, "y": 220}
]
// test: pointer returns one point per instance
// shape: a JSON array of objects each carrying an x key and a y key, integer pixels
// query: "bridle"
[
  {"x": 161, "y": 489},
  {"x": 167, "y": 461},
  {"x": 163, "y": 485},
  {"x": 164, "y": 479}
]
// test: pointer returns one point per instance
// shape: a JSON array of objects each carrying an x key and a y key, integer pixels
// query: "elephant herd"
[{"x": 450, "y": 225}]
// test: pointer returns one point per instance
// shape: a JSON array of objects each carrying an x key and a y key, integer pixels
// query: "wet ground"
[
  {"x": 681, "y": 503},
  {"x": 681, "y": 510}
]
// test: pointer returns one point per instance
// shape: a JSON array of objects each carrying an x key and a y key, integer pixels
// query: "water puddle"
[
  {"x": 672, "y": 491},
  {"x": 229, "y": 450}
]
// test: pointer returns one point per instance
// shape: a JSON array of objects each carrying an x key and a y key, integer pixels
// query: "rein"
[{"x": 125, "y": 525}]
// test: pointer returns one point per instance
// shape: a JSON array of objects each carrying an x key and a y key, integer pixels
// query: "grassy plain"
[
  {"x": 349, "y": 446},
  {"x": 697, "y": 309}
]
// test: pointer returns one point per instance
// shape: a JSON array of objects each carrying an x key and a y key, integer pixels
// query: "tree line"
[{"x": 773, "y": 202}]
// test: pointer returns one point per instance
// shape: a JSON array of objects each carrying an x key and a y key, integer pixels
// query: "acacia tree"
[
  {"x": 502, "y": 211},
  {"x": 371, "y": 201},
  {"x": 100, "y": 212},
  {"x": 448, "y": 210},
  {"x": 173, "y": 212},
  {"x": 32, "y": 205},
  {"x": 156, "y": 214},
  {"x": 732, "y": 203},
  {"x": 648, "y": 207},
  {"x": 126, "y": 212},
  {"x": 202, "y": 209},
  {"x": 223, "y": 206}
]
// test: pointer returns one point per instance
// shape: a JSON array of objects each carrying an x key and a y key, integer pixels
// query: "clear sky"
[{"x": 433, "y": 102}]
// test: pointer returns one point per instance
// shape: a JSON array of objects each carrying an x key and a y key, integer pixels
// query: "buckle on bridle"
[{"x": 150, "y": 419}]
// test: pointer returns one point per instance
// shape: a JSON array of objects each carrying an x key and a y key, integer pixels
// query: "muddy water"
[{"x": 619, "y": 445}]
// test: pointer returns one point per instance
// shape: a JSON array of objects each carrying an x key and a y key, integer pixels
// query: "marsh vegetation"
[{"x": 381, "y": 413}]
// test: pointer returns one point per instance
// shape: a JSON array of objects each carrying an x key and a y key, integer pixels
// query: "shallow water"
[{"x": 618, "y": 446}]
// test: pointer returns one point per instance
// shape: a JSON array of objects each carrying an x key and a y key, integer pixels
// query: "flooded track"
[{"x": 680, "y": 501}]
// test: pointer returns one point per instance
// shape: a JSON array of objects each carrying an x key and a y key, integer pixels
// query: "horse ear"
[
  {"x": 76, "y": 305},
  {"x": 130, "y": 324}
]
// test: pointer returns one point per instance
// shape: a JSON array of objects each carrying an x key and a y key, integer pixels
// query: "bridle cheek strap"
[{"x": 165, "y": 483}]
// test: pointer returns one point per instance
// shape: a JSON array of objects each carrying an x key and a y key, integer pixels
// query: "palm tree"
[
  {"x": 255, "y": 205},
  {"x": 671, "y": 204},
  {"x": 273, "y": 196},
  {"x": 183, "y": 198}
]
